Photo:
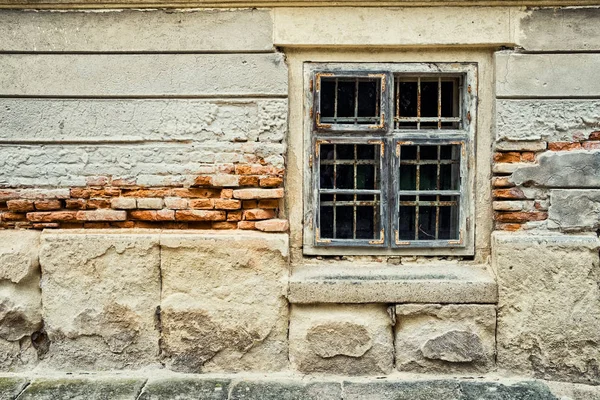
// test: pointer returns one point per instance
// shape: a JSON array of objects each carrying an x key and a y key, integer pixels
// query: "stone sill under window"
[{"x": 377, "y": 283}]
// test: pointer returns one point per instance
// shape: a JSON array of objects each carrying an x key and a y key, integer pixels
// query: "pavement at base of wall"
[{"x": 162, "y": 384}]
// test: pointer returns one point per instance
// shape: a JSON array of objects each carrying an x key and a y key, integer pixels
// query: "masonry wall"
[{"x": 127, "y": 151}]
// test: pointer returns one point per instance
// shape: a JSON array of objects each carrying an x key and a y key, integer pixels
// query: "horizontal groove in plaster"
[{"x": 151, "y": 97}]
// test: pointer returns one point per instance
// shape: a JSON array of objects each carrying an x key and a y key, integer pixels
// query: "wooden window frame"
[{"x": 390, "y": 137}]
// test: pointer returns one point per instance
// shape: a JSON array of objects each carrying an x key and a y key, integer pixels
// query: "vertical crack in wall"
[
  {"x": 22, "y": 390},
  {"x": 392, "y": 313},
  {"x": 158, "y": 315},
  {"x": 141, "y": 391}
]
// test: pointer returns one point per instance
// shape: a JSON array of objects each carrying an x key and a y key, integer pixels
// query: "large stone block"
[
  {"x": 117, "y": 120},
  {"x": 549, "y": 120},
  {"x": 415, "y": 26},
  {"x": 196, "y": 387},
  {"x": 104, "y": 388},
  {"x": 136, "y": 30},
  {"x": 445, "y": 338},
  {"x": 286, "y": 390},
  {"x": 568, "y": 169},
  {"x": 549, "y": 305},
  {"x": 224, "y": 306},
  {"x": 143, "y": 75},
  {"x": 573, "y": 29},
  {"x": 101, "y": 293},
  {"x": 528, "y": 76},
  {"x": 18, "y": 255},
  {"x": 574, "y": 210},
  {"x": 341, "y": 339}
]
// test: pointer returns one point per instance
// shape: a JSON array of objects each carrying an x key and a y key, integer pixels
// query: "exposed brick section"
[
  {"x": 520, "y": 217},
  {"x": 511, "y": 194},
  {"x": 501, "y": 181},
  {"x": 594, "y": 135},
  {"x": 222, "y": 196},
  {"x": 593, "y": 145},
  {"x": 272, "y": 225},
  {"x": 20, "y": 205},
  {"x": 507, "y": 157},
  {"x": 257, "y": 214},
  {"x": 200, "y": 215},
  {"x": 563, "y": 146}
]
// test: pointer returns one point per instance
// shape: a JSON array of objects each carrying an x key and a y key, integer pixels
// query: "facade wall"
[{"x": 153, "y": 131}]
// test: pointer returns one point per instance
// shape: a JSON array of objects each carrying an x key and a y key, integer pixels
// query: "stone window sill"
[{"x": 377, "y": 283}]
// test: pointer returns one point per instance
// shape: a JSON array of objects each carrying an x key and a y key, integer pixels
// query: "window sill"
[{"x": 382, "y": 283}]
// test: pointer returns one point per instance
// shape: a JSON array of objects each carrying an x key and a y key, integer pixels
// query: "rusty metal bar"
[
  {"x": 437, "y": 186},
  {"x": 418, "y": 180},
  {"x": 349, "y": 191},
  {"x": 356, "y": 102},
  {"x": 335, "y": 101},
  {"x": 429, "y": 203},
  {"x": 352, "y": 203},
  {"x": 335, "y": 181},
  {"x": 428, "y": 162},
  {"x": 429, "y": 192},
  {"x": 418, "y": 103},
  {"x": 439, "y": 107},
  {"x": 428, "y": 119},
  {"x": 355, "y": 173},
  {"x": 397, "y": 84}
]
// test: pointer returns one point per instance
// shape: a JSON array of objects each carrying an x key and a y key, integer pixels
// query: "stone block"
[
  {"x": 18, "y": 255},
  {"x": 143, "y": 74},
  {"x": 341, "y": 339},
  {"x": 113, "y": 388},
  {"x": 11, "y": 387},
  {"x": 577, "y": 31},
  {"x": 93, "y": 120},
  {"x": 403, "y": 390},
  {"x": 574, "y": 210},
  {"x": 136, "y": 31},
  {"x": 527, "y": 76},
  {"x": 101, "y": 292},
  {"x": 186, "y": 388},
  {"x": 549, "y": 120},
  {"x": 549, "y": 305},
  {"x": 286, "y": 390},
  {"x": 445, "y": 338},
  {"x": 151, "y": 203},
  {"x": 572, "y": 169},
  {"x": 414, "y": 26},
  {"x": 224, "y": 306}
]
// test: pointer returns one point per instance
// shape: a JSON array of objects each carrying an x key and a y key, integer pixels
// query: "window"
[{"x": 390, "y": 150}]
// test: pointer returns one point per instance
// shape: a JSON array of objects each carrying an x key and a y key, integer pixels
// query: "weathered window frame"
[{"x": 390, "y": 137}]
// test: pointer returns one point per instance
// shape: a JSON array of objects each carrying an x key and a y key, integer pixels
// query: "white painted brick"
[
  {"x": 176, "y": 203},
  {"x": 135, "y": 30},
  {"x": 143, "y": 74},
  {"x": 123, "y": 203},
  {"x": 150, "y": 203},
  {"x": 550, "y": 120}
]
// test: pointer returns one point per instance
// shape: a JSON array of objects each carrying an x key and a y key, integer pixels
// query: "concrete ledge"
[
  {"x": 376, "y": 283},
  {"x": 152, "y": 385}
]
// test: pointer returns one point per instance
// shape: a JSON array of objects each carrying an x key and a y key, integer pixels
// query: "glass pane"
[
  {"x": 350, "y": 100},
  {"x": 344, "y": 223},
  {"x": 326, "y": 222},
  {"x": 426, "y": 223},
  {"x": 428, "y": 177},
  {"x": 449, "y": 99},
  {"x": 408, "y": 99},
  {"x": 344, "y": 177},
  {"x": 408, "y": 177},
  {"x": 406, "y": 223},
  {"x": 429, "y": 152},
  {"x": 365, "y": 177},
  {"x": 449, "y": 222},
  {"x": 429, "y": 99}
]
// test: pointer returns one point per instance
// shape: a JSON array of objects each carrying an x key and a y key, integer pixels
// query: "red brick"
[
  {"x": 512, "y": 193},
  {"x": 203, "y": 181},
  {"x": 224, "y": 204},
  {"x": 268, "y": 203},
  {"x": 246, "y": 225},
  {"x": 101, "y": 215},
  {"x": 249, "y": 180},
  {"x": 153, "y": 215},
  {"x": 226, "y": 193},
  {"x": 234, "y": 215},
  {"x": 501, "y": 181},
  {"x": 48, "y": 205},
  {"x": 123, "y": 224},
  {"x": 83, "y": 193},
  {"x": 520, "y": 217},
  {"x": 528, "y": 156},
  {"x": 94, "y": 204},
  {"x": 273, "y": 225},
  {"x": 123, "y": 182},
  {"x": 246, "y": 204},
  {"x": 195, "y": 193},
  {"x": 9, "y": 194},
  {"x": 594, "y": 135},
  {"x": 563, "y": 146},
  {"x": 224, "y": 225},
  {"x": 46, "y": 225},
  {"x": 75, "y": 204},
  {"x": 20, "y": 205},
  {"x": 507, "y": 157},
  {"x": 226, "y": 168},
  {"x": 52, "y": 216},
  {"x": 96, "y": 225},
  {"x": 271, "y": 182},
  {"x": 591, "y": 145},
  {"x": 11, "y": 216},
  {"x": 508, "y": 227},
  {"x": 257, "y": 213},
  {"x": 147, "y": 193},
  {"x": 248, "y": 194},
  {"x": 200, "y": 215},
  {"x": 202, "y": 204}
]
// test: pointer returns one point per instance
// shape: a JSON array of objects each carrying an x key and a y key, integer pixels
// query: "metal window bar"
[
  {"x": 355, "y": 191},
  {"x": 355, "y": 119},
  {"x": 439, "y": 120},
  {"x": 438, "y": 192}
]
